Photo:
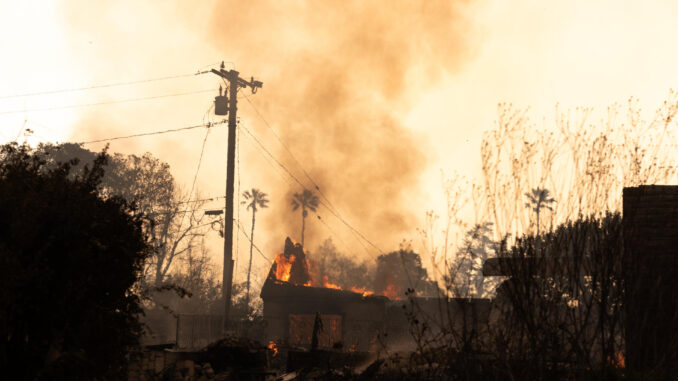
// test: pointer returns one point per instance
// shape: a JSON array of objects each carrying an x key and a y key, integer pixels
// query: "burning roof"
[{"x": 291, "y": 270}]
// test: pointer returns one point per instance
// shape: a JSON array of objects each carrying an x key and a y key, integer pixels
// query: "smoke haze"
[{"x": 337, "y": 78}]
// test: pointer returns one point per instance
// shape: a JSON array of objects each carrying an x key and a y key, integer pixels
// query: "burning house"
[
  {"x": 292, "y": 299},
  {"x": 350, "y": 319}
]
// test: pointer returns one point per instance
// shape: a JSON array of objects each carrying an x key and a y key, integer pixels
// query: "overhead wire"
[
  {"x": 208, "y": 125},
  {"x": 195, "y": 176},
  {"x": 249, "y": 239},
  {"x": 315, "y": 185},
  {"x": 302, "y": 185},
  {"x": 275, "y": 167},
  {"x": 105, "y": 103},
  {"x": 114, "y": 84},
  {"x": 327, "y": 204},
  {"x": 332, "y": 232}
]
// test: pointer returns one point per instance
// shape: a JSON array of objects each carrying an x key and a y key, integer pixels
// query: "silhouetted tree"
[
  {"x": 254, "y": 199},
  {"x": 305, "y": 200},
  {"x": 173, "y": 224},
  {"x": 341, "y": 269},
  {"x": 68, "y": 261},
  {"x": 401, "y": 270},
  {"x": 466, "y": 276},
  {"x": 539, "y": 198}
]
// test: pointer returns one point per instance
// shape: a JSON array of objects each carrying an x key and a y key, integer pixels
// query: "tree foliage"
[
  {"x": 68, "y": 261},
  {"x": 341, "y": 269},
  {"x": 174, "y": 225},
  {"x": 401, "y": 270},
  {"x": 305, "y": 201},
  {"x": 465, "y": 277},
  {"x": 254, "y": 199}
]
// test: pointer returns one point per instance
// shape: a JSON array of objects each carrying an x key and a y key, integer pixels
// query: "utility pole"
[{"x": 234, "y": 83}]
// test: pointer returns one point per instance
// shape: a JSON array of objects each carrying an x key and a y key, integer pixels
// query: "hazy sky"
[{"x": 372, "y": 98}]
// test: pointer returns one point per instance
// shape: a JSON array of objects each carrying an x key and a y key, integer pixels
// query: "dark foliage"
[
  {"x": 401, "y": 270},
  {"x": 339, "y": 268},
  {"x": 68, "y": 261},
  {"x": 556, "y": 316}
]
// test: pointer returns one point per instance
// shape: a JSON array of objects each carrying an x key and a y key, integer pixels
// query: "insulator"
[{"x": 221, "y": 105}]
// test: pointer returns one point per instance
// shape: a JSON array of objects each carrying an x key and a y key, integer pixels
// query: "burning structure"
[
  {"x": 351, "y": 319},
  {"x": 292, "y": 299}
]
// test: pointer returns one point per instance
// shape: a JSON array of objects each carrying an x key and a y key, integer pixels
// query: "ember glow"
[
  {"x": 273, "y": 347},
  {"x": 392, "y": 292},
  {"x": 328, "y": 284}
]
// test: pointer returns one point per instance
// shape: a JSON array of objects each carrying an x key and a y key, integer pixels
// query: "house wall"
[
  {"x": 650, "y": 218},
  {"x": 361, "y": 317}
]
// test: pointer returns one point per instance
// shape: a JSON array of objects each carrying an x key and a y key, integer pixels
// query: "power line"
[
  {"x": 315, "y": 185},
  {"x": 331, "y": 210},
  {"x": 273, "y": 157},
  {"x": 249, "y": 239},
  {"x": 208, "y": 125},
  {"x": 328, "y": 204},
  {"x": 275, "y": 168},
  {"x": 104, "y": 103},
  {"x": 195, "y": 176},
  {"x": 337, "y": 235},
  {"x": 115, "y": 84},
  {"x": 201, "y": 199}
]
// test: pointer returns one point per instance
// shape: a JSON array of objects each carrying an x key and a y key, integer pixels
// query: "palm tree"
[
  {"x": 307, "y": 201},
  {"x": 254, "y": 199},
  {"x": 539, "y": 198}
]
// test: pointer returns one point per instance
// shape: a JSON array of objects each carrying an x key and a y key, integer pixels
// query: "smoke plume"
[{"x": 338, "y": 77}]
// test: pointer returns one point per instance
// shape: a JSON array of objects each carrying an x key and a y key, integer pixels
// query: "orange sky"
[{"x": 374, "y": 100}]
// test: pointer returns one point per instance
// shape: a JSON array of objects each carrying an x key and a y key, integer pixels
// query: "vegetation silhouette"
[
  {"x": 305, "y": 200},
  {"x": 254, "y": 199},
  {"x": 69, "y": 261}
]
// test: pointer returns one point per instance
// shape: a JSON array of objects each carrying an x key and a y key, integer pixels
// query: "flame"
[
  {"x": 392, "y": 292},
  {"x": 618, "y": 361},
  {"x": 272, "y": 346},
  {"x": 294, "y": 267},
  {"x": 361, "y": 290},
  {"x": 283, "y": 266},
  {"x": 328, "y": 284}
]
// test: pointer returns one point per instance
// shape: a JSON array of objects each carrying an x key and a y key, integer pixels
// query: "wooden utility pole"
[{"x": 234, "y": 83}]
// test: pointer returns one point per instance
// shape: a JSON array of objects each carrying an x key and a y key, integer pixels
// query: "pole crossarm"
[{"x": 233, "y": 76}]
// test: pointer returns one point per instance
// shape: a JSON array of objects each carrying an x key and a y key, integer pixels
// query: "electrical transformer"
[{"x": 221, "y": 105}]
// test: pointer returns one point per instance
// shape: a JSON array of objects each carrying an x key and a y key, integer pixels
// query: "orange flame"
[
  {"x": 327, "y": 284},
  {"x": 283, "y": 267},
  {"x": 392, "y": 292},
  {"x": 619, "y": 360},
  {"x": 272, "y": 346},
  {"x": 293, "y": 267}
]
